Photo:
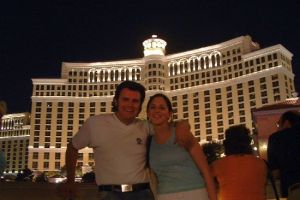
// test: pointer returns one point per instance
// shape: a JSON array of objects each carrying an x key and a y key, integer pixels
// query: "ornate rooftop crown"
[{"x": 154, "y": 46}]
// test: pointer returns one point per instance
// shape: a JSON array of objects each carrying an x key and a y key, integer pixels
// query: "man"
[
  {"x": 2, "y": 162},
  {"x": 284, "y": 151},
  {"x": 119, "y": 143}
]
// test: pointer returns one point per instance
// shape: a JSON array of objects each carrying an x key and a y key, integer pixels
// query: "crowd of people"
[{"x": 160, "y": 159}]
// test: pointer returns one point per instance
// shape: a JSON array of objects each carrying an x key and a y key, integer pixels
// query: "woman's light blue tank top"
[{"x": 174, "y": 167}]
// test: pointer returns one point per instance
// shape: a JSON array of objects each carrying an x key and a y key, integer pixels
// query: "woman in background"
[
  {"x": 182, "y": 171},
  {"x": 240, "y": 174}
]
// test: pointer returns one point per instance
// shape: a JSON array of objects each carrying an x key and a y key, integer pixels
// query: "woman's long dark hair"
[{"x": 167, "y": 100}]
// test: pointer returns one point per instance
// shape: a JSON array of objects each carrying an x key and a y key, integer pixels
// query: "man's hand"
[
  {"x": 68, "y": 190},
  {"x": 183, "y": 130}
]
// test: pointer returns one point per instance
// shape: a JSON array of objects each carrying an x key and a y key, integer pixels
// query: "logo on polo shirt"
[{"x": 139, "y": 141}]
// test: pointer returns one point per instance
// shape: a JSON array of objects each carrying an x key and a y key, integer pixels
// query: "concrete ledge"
[
  {"x": 42, "y": 191},
  {"x": 49, "y": 191}
]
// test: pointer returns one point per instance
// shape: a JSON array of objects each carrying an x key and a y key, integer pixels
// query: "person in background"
[
  {"x": 182, "y": 171},
  {"x": 2, "y": 162},
  {"x": 284, "y": 153},
  {"x": 240, "y": 174}
]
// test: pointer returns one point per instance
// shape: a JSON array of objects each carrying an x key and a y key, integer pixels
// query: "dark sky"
[{"x": 37, "y": 36}]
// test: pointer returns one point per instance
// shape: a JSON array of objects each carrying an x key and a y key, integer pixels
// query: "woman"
[
  {"x": 240, "y": 174},
  {"x": 182, "y": 173}
]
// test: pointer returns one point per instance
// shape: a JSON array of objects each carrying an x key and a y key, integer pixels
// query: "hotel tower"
[
  {"x": 14, "y": 141},
  {"x": 214, "y": 87}
]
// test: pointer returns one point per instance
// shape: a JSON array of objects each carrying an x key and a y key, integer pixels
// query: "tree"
[
  {"x": 40, "y": 177},
  {"x": 78, "y": 171},
  {"x": 2, "y": 162},
  {"x": 88, "y": 177},
  {"x": 213, "y": 151},
  {"x": 25, "y": 175},
  {"x": 63, "y": 171}
]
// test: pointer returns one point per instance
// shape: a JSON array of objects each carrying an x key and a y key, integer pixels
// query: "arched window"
[
  {"x": 207, "y": 62},
  {"x": 116, "y": 75},
  {"x": 215, "y": 58},
  {"x": 96, "y": 76},
  {"x": 133, "y": 74},
  {"x": 186, "y": 67},
  {"x": 171, "y": 70},
  {"x": 101, "y": 76},
  {"x": 112, "y": 75},
  {"x": 122, "y": 75},
  {"x": 213, "y": 61},
  {"x": 202, "y": 65},
  {"x": 181, "y": 67},
  {"x": 106, "y": 76},
  {"x": 218, "y": 60},
  {"x": 175, "y": 69},
  {"x": 138, "y": 74},
  {"x": 91, "y": 77},
  {"x": 192, "y": 65},
  {"x": 127, "y": 74},
  {"x": 196, "y": 64}
]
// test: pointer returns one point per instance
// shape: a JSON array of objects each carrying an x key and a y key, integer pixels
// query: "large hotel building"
[
  {"x": 213, "y": 87},
  {"x": 14, "y": 140}
]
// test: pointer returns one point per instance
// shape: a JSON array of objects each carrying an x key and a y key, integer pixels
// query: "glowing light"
[{"x": 264, "y": 146}]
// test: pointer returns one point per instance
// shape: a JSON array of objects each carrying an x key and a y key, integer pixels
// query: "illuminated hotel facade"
[
  {"x": 213, "y": 87},
  {"x": 14, "y": 140}
]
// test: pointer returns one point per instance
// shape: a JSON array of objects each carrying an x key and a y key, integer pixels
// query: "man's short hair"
[
  {"x": 292, "y": 116},
  {"x": 131, "y": 85}
]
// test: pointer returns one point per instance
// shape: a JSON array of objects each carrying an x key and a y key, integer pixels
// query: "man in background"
[
  {"x": 2, "y": 162},
  {"x": 284, "y": 152}
]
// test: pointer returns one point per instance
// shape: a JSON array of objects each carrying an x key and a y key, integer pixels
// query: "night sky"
[{"x": 37, "y": 36}]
